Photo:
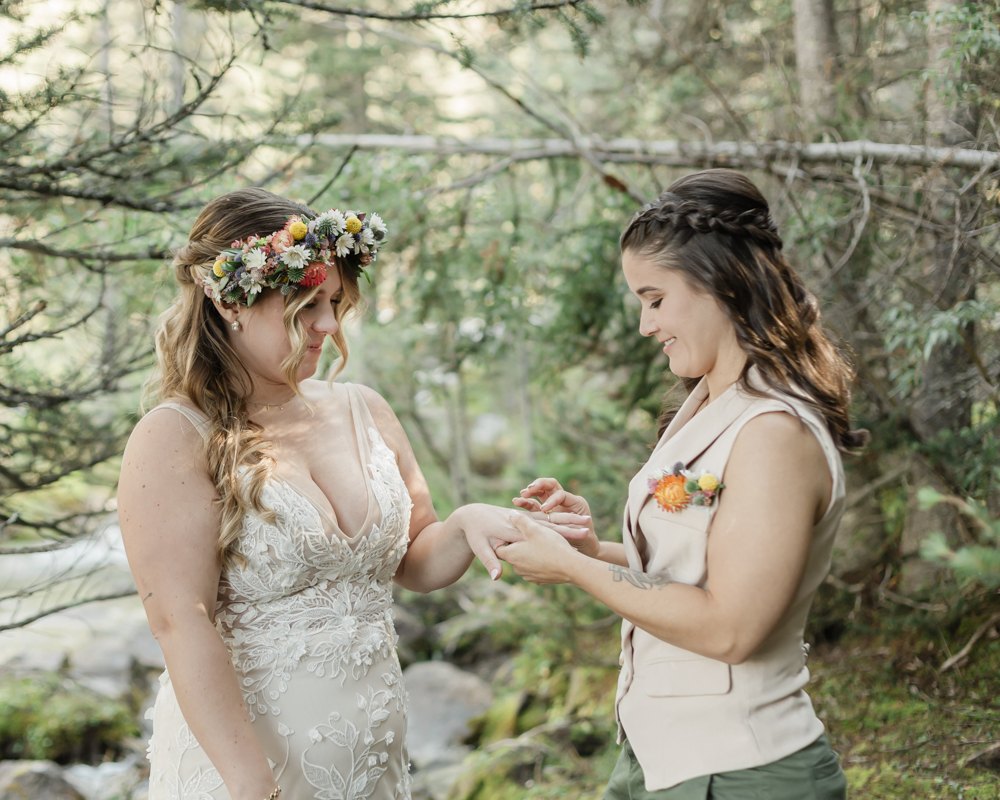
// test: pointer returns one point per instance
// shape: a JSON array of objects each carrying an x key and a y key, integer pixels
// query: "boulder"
[
  {"x": 35, "y": 780},
  {"x": 442, "y": 701},
  {"x": 435, "y": 784},
  {"x": 107, "y": 781},
  {"x": 145, "y": 650},
  {"x": 105, "y": 666},
  {"x": 918, "y": 577},
  {"x": 411, "y": 631},
  {"x": 861, "y": 538}
]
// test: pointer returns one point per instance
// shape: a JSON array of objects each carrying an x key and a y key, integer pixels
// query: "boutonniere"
[{"x": 679, "y": 488}]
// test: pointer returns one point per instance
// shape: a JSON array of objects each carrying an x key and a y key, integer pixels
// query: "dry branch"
[
  {"x": 66, "y": 606},
  {"x": 419, "y": 16},
  {"x": 671, "y": 152},
  {"x": 972, "y": 640}
]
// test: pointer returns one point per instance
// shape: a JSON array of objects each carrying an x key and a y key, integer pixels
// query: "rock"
[
  {"x": 861, "y": 537},
  {"x": 411, "y": 631},
  {"x": 36, "y": 661},
  {"x": 918, "y": 577},
  {"x": 442, "y": 700},
  {"x": 435, "y": 784},
  {"x": 145, "y": 650},
  {"x": 112, "y": 779},
  {"x": 105, "y": 667},
  {"x": 34, "y": 780}
]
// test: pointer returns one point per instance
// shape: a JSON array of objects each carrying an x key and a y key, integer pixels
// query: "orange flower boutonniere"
[{"x": 679, "y": 488}]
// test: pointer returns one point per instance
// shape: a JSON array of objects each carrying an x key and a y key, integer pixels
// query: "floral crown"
[{"x": 297, "y": 255}]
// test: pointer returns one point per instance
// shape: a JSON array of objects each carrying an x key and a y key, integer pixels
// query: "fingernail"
[
  {"x": 495, "y": 574},
  {"x": 586, "y": 516}
]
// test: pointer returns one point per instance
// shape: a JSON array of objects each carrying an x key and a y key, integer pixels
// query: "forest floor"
[{"x": 903, "y": 727}]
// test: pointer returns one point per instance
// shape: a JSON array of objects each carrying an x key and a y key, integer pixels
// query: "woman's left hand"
[{"x": 542, "y": 557}]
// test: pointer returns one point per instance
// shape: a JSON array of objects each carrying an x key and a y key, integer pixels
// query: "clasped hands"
[{"x": 537, "y": 538}]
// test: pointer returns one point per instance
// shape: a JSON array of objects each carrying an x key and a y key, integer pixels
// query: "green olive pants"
[{"x": 813, "y": 773}]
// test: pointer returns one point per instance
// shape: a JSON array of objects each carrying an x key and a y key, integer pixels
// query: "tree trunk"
[
  {"x": 815, "y": 58},
  {"x": 943, "y": 402}
]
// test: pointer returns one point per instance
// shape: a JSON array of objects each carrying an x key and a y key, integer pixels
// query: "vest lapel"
[{"x": 688, "y": 436}]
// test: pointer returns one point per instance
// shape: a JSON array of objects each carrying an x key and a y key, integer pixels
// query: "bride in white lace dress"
[{"x": 266, "y": 515}]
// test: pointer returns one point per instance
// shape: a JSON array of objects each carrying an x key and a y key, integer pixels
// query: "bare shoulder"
[{"x": 162, "y": 439}]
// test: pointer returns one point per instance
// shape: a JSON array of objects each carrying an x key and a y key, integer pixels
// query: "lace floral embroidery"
[
  {"x": 309, "y": 608},
  {"x": 365, "y": 762},
  {"x": 305, "y": 596}
]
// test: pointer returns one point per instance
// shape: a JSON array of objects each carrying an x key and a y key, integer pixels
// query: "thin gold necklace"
[{"x": 280, "y": 406}]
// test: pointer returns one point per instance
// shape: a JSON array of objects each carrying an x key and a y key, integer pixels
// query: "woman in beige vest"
[{"x": 730, "y": 524}]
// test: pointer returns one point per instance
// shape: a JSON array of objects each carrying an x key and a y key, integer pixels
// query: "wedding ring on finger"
[{"x": 548, "y": 516}]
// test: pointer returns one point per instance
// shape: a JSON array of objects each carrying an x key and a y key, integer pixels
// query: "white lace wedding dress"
[{"x": 309, "y": 625}]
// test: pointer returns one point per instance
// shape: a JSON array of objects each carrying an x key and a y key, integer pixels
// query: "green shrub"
[
  {"x": 51, "y": 717},
  {"x": 980, "y": 561}
]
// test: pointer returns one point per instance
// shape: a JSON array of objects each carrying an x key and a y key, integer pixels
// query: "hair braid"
[{"x": 755, "y": 224}]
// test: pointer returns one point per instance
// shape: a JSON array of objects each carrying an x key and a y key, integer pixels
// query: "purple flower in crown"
[{"x": 677, "y": 468}]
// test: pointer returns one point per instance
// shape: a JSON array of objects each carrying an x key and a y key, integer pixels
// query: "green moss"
[
  {"x": 500, "y": 720},
  {"x": 49, "y": 717}
]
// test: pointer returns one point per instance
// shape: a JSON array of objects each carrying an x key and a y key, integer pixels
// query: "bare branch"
[
  {"x": 56, "y": 609},
  {"x": 34, "y": 246},
  {"x": 418, "y": 16},
  {"x": 26, "y": 317},
  {"x": 7, "y": 347},
  {"x": 972, "y": 640},
  {"x": 670, "y": 152}
]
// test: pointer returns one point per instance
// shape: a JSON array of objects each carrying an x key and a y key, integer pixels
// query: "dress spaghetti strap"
[
  {"x": 364, "y": 423},
  {"x": 196, "y": 418}
]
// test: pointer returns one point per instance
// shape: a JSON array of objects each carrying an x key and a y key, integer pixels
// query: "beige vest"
[{"x": 686, "y": 715}]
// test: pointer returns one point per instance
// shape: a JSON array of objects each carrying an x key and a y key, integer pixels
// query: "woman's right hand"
[{"x": 544, "y": 496}]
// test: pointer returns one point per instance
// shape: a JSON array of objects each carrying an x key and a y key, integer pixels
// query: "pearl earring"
[{"x": 236, "y": 325}]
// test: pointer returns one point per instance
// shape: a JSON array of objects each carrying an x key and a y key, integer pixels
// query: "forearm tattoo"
[{"x": 640, "y": 580}]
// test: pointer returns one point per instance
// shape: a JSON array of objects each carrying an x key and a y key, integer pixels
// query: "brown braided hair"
[{"x": 715, "y": 228}]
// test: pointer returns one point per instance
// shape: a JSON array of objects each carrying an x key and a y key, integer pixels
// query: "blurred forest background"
[{"x": 506, "y": 142}]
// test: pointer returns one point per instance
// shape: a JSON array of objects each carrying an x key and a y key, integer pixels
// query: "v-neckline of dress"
[{"x": 331, "y": 527}]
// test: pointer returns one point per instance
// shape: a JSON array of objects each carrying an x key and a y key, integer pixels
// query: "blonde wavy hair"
[{"x": 195, "y": 362}]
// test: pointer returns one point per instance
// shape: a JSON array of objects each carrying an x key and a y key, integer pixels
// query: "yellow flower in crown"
[
  {"x": 298, "y": 229},
  {"x": 353, "y": 225},
  {"x": 708, "y": 482},
  {"x": 217, "y": 268}
]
